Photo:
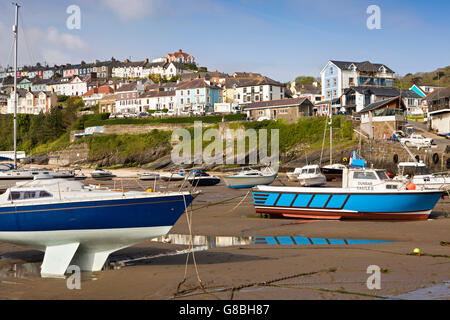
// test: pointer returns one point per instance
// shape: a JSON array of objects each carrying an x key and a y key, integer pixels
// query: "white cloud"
[
  {"x": 39, "y": 45},
  {"x": 128, "y": 10}
]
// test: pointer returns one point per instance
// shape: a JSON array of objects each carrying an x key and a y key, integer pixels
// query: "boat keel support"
[{"x": 57, "y": 258}]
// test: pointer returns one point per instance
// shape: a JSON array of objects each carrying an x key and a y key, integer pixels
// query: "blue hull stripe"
[
  {"x": 365, "y": 203},
  {"x": 313, "y": 241},
  {"x": 106, "y": 214}
]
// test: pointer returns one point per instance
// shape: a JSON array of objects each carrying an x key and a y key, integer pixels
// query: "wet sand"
[{"x": 254, "y": 271}]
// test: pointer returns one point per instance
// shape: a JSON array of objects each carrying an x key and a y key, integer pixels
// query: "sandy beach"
[{"x": 154, "y": 270}]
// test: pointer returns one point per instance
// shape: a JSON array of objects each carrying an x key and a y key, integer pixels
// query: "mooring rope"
[
  {"x": 191, "y": 251},
  {"x": 240, "y": 202}
]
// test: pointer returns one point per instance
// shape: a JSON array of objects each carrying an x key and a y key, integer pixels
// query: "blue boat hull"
[
  {"x": 346, "y": 205},
  {"x": 106, "y": 214}
]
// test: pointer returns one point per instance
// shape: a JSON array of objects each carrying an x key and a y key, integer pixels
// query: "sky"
[{"x": 281, "y": 39}]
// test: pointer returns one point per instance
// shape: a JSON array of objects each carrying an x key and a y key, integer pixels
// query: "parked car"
[
  {"x": 143, "y": 115},
  {"x": 400, "y": 134},
  {"x": 447, "y": 135},
  {"x": 416, "y": 140}
]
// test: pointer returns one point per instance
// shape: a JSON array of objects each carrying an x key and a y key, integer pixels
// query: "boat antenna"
[{"x": 16, "y": 33}]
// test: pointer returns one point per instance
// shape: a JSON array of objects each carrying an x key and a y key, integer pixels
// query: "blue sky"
[{"x": 281, "y": 39}]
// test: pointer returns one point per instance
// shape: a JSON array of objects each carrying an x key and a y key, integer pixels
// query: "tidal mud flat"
[{"x": 240, "y": 255}]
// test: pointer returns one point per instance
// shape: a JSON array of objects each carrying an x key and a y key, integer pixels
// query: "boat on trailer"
[
  {"x": 81, "y": 225},
  {"x": 365, "y": 194}
]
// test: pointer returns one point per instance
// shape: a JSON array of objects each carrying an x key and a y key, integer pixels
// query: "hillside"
[{"x": 439, "y": 77}]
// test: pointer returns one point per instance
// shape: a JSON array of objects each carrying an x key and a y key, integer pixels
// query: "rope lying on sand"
[{"x": 191, "y": 291}]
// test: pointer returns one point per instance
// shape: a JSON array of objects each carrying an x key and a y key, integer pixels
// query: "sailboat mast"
[{"x": 15, "y": 31}]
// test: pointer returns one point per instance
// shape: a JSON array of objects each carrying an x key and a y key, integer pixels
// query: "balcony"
[{"x": 439, "y": 106}]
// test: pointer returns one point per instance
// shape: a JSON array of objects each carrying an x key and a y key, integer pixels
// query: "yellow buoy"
[
  {"x": 149, "y": 190},
  {"x": 417, "y": 251}
]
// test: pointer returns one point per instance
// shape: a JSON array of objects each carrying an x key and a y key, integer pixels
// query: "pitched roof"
[
  {"x": 379, "y": 104},
  {"x": 196, "y": 83},
  {"x": 179, "y": 53},
  {"x": 361, "y": 66},
  {"x": 152, "y": 94},
  {"x": 384, "y": 92},
  {"x": 249, "y": 82},
  {"x": 127, "y": 87},
  {"x": 438, "y": 94},
  {"x": 276, "y": 103},
  {"x": 102, "y": 89}
]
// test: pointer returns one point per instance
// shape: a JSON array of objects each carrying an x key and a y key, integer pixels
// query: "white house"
[
  {"x": 337, "y": 76},
  {"x": 127, "y": 98},
  {"x": 158, "y": 100},
  {"x": 32, "y": 102},
  {"x": 94, "y": 95},
  {"x": 245, "y": 91}
]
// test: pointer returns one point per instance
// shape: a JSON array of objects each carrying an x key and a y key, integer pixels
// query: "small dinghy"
[
  {"x": 101, "y": 174},
  {"x": 149, "y": 176},
  {"x": 176, "y": 175}
]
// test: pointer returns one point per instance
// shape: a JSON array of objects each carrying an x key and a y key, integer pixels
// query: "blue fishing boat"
[
  {"x": 81, "y": 225},
  {"x": 365, "y": 194}
]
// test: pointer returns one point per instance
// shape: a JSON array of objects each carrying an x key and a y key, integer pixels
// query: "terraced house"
[
  {"x": 32, "y": 102},
  {"x": 197, "y": 96}
]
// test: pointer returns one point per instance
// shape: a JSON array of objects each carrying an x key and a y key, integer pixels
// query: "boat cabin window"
[
  {"x": 369, "y": 175},
  {"x": 25, "y": 195},
  {"x": 382, "y": 175}
]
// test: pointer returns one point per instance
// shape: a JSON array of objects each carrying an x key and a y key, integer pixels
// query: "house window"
[
  {"x": 182, "y": 101},
  {"x": 331, "y": 70},
  {"x": 328, "y": 83},
  {"x": 334, "y": 82}
]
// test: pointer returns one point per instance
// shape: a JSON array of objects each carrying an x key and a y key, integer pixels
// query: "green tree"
[{"x": 304, "y": 80}]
